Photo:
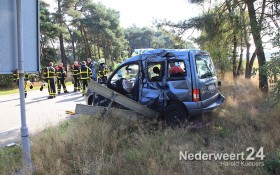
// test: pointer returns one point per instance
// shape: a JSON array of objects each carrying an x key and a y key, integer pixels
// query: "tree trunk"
[
  {"x": 61, "y": 42},
  {"x": 230, "y": 8},
  {"x": 243, "y": 28},
  {"x": 247, "y": 71},
  {"x": 42, "y": 50},
  {"x": 72, "y": 40},
  {"x": 248, "y": 46},
  {"x": 251, "y": 64},
  {"x": 86, "y": 43},
  {"x": 256, "y": 32},
  {"x": 94, "y": 48},
  {"x": 99, "y": 54},
  {"x": 62, "y": 50},
  {"x": 234, "y": 63},
  {"x": 240, "y": 62},
  {"x": 42, "y": 53}
]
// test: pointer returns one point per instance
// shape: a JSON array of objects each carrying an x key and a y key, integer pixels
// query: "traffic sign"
[{"x": 9, "y": 38}]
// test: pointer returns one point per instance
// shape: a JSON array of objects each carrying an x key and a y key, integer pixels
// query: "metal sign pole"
[{"x": 24, "y": 129}]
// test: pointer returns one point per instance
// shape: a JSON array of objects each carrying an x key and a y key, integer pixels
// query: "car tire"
[
  {"x": 90, "y": 100},
  {"x": 93, "y": 100},
  {"x": 175, "y": 115}
]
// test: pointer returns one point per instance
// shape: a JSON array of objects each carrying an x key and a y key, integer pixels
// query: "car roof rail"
[{"x": 160, "y": 52}]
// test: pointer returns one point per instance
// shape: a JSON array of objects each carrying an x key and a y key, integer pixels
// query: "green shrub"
[
  {"x": 272, "y": 162},
  {"x": 7, "y": 82},
  {"x": 272, "y": 70}
]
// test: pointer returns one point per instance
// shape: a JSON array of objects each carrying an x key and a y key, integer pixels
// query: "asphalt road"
[{"x": 40, "y": 112}]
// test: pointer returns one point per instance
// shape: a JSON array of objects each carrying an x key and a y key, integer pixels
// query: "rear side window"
[
  {"x": 155, "y": 71},
  {"x": 176, "y": 69},
  {"x": 204, "y": 66}
]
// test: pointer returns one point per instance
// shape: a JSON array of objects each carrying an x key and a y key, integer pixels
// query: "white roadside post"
[{"x": 24, "y": 129}]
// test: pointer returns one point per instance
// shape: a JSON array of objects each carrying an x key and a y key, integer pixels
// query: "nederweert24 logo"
[{"x": 244, "y": 158}]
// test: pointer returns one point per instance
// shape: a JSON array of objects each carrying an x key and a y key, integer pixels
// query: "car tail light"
[{"x": 196, "y": 95}]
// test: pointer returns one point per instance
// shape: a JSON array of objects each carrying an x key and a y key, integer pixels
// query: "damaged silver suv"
[{"x": 178, "y": 83}]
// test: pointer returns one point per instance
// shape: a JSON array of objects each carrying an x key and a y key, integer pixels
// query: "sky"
[{"x": 144, "y": 12}]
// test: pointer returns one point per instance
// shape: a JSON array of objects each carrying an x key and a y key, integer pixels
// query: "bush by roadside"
[{"x": 7, "y": 82}]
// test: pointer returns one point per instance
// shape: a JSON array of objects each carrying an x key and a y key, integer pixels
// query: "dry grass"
[{"x": 87, "y": 145}]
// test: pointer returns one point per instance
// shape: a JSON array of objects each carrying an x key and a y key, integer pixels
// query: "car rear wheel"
[
  {"x": 175, "y": 115},
  {"x": 90, "y": 100}
]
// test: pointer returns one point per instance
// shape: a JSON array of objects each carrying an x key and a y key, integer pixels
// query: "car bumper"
[{"x": 197, "y": 109}]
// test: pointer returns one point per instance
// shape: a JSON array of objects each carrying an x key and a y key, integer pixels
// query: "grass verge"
[
  {"x": 87, "y": 145},
  {"x": 10, "y": 160}
]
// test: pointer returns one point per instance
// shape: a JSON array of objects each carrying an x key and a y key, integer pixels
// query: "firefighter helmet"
[{"x": 101, "y": 60}]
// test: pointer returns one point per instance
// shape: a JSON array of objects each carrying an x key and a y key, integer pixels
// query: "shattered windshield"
[{"x": 128, "y": 72}]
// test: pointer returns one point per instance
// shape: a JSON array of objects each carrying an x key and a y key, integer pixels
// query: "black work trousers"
[
  {"x": 51, "y": 87},
  {"x": 84, "y": 85},
  {"x": 102, "y": 80},
  {"x": 61, "y": 82},
  {"x": 77, "y": 85}
]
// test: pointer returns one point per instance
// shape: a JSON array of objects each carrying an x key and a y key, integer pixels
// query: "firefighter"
[
  {"x": 60, "y": 77},
  {"x": 102, "y": 71},
  {"x": 85, "y": 73},
  {"x": 89, "y": 63},
  {"x": 26, "y": 80},
  {"x": 75, "y": 73},
  {"x": 49, "y": 76}
]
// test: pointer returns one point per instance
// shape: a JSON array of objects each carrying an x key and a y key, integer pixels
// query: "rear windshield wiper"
[{"x": 209, "y": 73}]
